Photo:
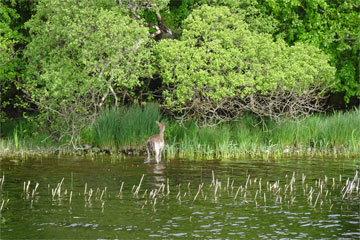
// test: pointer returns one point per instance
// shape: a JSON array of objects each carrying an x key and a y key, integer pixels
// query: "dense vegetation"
[
  {"x": 125, "y": 131},
  {"x": 70, "y": 68}
]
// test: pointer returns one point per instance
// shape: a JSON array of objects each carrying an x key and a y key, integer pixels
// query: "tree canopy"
[
  {"x": 219, "y": 68},
  {"x": 81, "y": 55},
  {"x": 204, "y": 59},
  {"x": 11, "y": 64},
  {"x": 333, "y": 26}
]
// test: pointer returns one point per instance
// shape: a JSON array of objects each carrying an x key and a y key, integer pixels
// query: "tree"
[
  {"x": 332, "y": 26},
  {"x": 139, "y": 8},
  {"x": 83, "y": 54},
  {"x": 219, "y": 68},
  {"x": 253, "y": 12},
  {"x": 11, "y": 64}
]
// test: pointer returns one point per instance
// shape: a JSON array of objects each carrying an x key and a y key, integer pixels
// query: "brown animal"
[{"x": 156, "y": 143}]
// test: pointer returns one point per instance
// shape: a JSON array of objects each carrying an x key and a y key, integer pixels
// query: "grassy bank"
[
  {"x": 21, "y": 136},
  {"x": 336, "y": 135},
  {"x": 127, "y": 129}
]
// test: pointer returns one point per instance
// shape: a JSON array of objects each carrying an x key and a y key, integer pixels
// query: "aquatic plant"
[
  {"x": 125, "y": 126},
  {"x": 254, "y": 191},
  {"x": 335, "y": 135},
  {"x": 126, "y": 130}
]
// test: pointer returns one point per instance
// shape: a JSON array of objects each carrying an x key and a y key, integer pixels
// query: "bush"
[
  {"x": 219, "y": 69},
  {"x": 82, "y": 57}
]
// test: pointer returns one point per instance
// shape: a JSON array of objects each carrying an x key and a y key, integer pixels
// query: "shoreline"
[
  {"x": 125, "y": 132},
  {"x": 210, "y": 154}
]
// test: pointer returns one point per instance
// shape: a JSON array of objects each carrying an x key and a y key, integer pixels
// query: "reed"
[
  {"x": 138, "y": 187},
  {"x": 125, "y": 126},
  {"x": 3, "y": 205},
  {"x": 334, "y": 135},
  {"x": 16, "y": 139},
  {"x": 2, "y": 180}
]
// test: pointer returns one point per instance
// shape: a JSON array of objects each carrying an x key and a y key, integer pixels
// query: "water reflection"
[{"x": 156, "y": 170}]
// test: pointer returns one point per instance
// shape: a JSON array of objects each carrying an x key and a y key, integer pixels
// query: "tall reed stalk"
[
  {"x": 125, "y": 126},
  {"x": 16, "y": 139}
]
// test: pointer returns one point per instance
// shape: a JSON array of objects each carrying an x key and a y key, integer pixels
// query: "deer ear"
[{"x": 157, "y": 123}]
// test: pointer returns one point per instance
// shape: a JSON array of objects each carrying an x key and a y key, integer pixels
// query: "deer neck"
[{"x": 161, "y": 134}]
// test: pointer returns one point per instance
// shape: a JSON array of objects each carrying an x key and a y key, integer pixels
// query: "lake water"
[{"x": 117, "y": 198}]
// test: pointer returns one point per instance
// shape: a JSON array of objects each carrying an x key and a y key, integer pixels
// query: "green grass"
[
  {"x": 336, "y": 134},
  {"x": 22, "y": 135},
  {"x": 126, "y": 126},
  {"x": 321, "y": 132}
]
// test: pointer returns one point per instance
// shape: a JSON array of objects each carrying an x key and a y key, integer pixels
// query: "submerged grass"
[
  {"x": 255, "y": 192},
  {"x": 127, "y": 128}
]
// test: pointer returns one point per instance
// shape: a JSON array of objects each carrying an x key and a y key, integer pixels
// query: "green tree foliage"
[
  {"x": 150, "y": 11},
  {"x": 333, "y": 26},
  {"x": 254, "y": 13},
  {"x": 141, "y": 5},
  {"x": 219, "y": 68},
  {"x": 11, "y": 64},
  {"x": 8, "y": 37},
  {"x": 82, "y": 55}
]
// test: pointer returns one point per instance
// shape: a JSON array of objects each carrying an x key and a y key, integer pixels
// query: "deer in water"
[{"x": 156, "y": 143}]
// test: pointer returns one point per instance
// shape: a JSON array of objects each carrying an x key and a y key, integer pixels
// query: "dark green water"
[{"x": 319, "y": 207}]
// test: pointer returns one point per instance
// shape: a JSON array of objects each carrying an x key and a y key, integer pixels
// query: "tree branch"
[
  {"x": 161, "y": 30},
  {"x": 12, "y": 57}
]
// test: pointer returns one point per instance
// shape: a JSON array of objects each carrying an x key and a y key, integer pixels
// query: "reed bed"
[
  {"x": 125, "y": 130},
  {"x": 334, "y": 135},
  {"x": 125, "y": 126},
  {"x": 290, "y": 191}
]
